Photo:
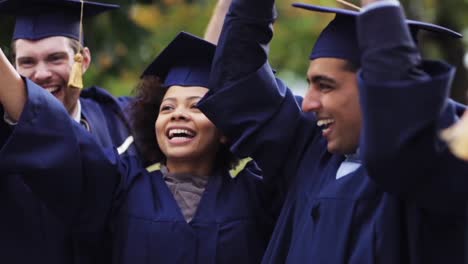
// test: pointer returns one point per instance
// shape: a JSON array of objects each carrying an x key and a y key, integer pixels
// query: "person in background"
[
  {"x": 197, "y": 203},
  {"x": 358, "y": 186}
]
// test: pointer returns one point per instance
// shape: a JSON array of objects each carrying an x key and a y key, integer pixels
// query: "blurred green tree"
[{"x": 123, "y": 42}]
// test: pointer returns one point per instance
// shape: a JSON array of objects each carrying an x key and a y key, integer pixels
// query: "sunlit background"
[{"x": 123, "y": 42}]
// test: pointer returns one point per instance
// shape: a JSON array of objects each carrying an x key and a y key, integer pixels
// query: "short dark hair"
[{"x": 349, "y": 66}]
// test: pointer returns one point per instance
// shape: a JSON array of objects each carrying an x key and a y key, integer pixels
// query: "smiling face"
[
  {"x": 48, "y": 63},
  {"x": 333, "y": 97},
  {"x": 184, "y": 134}
]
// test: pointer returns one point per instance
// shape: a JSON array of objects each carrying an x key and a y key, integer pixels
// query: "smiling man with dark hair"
[{"x": 359, "y": 164}]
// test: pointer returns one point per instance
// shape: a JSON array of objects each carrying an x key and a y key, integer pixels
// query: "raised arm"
[
  {"x": 404, "y": 104},
  {"x": 246, "y": 101},
  {"x": 61, "y": 162},
  {"x": 12, "y": 89},
  {"x": 213, "y": 30}
]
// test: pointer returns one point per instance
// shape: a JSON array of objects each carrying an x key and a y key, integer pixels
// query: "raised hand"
[
  {"x": 213, "y": 29},
  {"x": 456, "y": 137}
]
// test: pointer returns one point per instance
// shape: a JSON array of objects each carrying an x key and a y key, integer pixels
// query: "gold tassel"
[
  {"x": 76, "y": 74},
  {"x": 456, "y": 137}
]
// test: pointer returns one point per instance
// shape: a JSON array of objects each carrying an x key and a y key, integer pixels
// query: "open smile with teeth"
[
  {"x": 52, "y": 89},
  {"x": 180, "y": 133},
  {"x": 325, "y": 123}
]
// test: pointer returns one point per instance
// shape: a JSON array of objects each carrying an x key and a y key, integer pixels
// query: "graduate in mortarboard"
[
  {"x": 48, "y": 48},
  {"x": 194, "y": 203},
  {"x": 360, "y": 159}
]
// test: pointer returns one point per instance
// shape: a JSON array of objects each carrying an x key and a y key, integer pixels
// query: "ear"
[{"x": 86, "y": 59}]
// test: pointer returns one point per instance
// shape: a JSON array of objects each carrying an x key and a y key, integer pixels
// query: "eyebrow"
[
  {"x": 24, "y": 58},
  {"x": 187, "y": 98},
  {"x": 28, "y": 57},
  {"x": 58, "y": 53},
  {"x": 323, "y": 78}
]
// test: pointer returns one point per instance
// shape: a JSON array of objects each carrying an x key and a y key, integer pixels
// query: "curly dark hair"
[{"x": 144, "y": 112}]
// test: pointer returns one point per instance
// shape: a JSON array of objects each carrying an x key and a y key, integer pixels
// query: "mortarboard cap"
[
  {"x": 37, "y": 19},
  {"x": 186, "y": 61},
  {"x": 339, "y": 38}
]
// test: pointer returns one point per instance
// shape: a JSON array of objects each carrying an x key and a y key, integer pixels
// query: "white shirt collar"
[
  {"x": 77, "y": 114},
  {"x": 349, "y": 165}
]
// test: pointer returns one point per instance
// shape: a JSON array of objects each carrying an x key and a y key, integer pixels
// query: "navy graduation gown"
[
  {"x": 359, "y": 218},
  {"x": 107, "y": 117},
  {"x": 29, "y": 231},
  {"x": 230, "y": 225},
  {"x": 98, "y": 194}
]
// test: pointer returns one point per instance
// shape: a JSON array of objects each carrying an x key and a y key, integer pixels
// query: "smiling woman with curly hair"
[
  {"x": 185, "y": 202},
  {"x": 145, "y": 111}
]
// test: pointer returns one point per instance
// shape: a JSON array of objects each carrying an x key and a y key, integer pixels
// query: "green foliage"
[
  {"x": 119, "y": 71},
  {"x": 294, "y": 34},
  {"x": 125, "y": 41},
  {"x": 6, "y": 30}
]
